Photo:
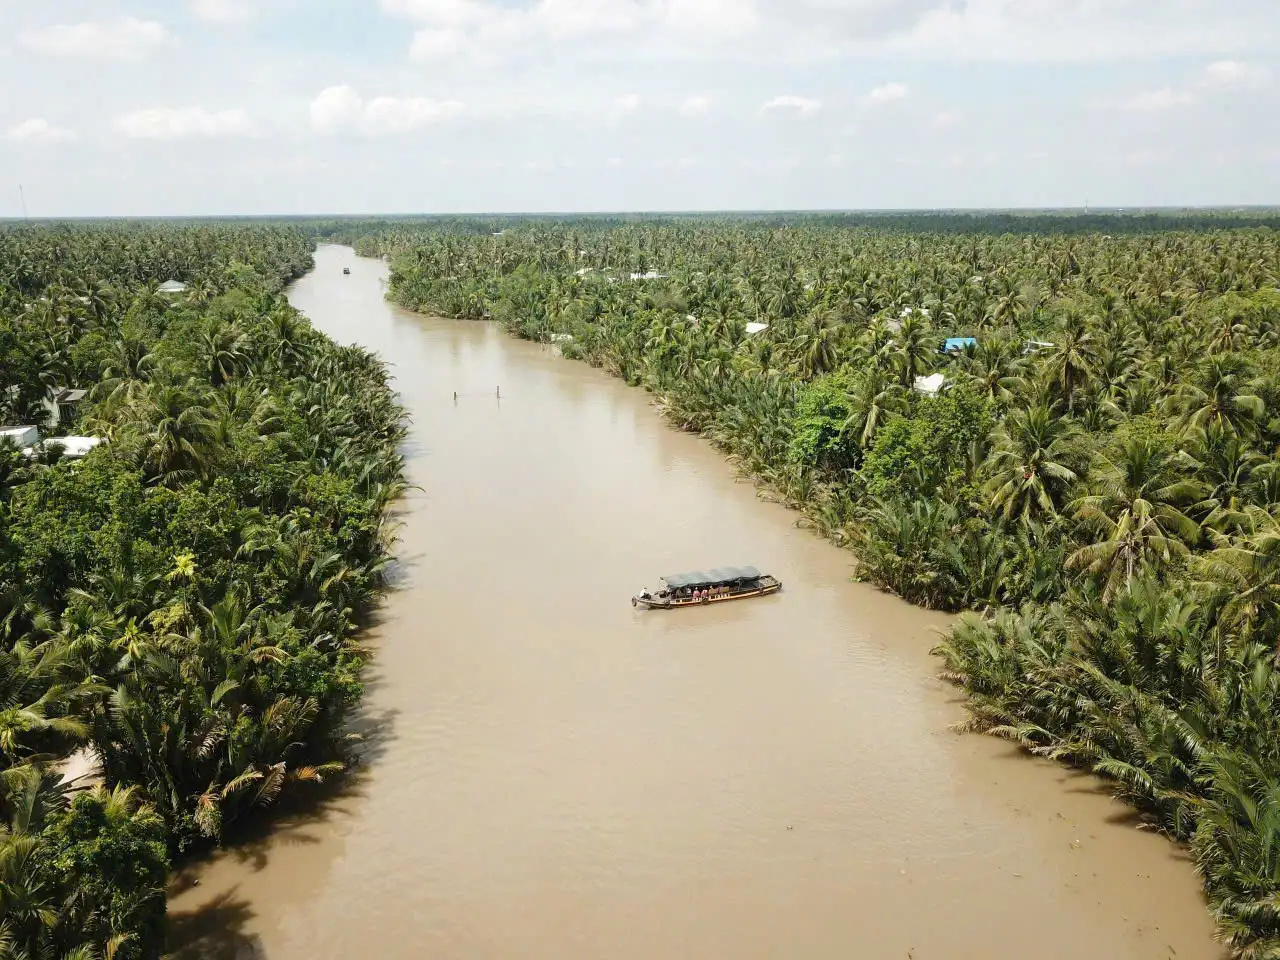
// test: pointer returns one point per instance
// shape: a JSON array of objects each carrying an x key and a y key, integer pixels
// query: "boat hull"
[{"x": 656, "y": 603}]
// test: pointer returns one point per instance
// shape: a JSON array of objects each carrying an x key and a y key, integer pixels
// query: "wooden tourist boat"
[{"x": 708, "y": 586}]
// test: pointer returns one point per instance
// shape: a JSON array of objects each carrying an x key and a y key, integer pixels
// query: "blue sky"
[{"x": 120, "y": 107}]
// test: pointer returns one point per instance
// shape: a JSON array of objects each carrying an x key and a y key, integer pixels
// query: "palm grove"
[
  {"x": 183, "y": 599},
  {"x": 1097, "y": 482}
]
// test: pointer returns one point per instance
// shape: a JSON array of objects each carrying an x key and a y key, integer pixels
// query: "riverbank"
[
  {"x": 1094, "y": 484},
  {"x": 550, "y": 770},
  {"x": 176, "y": 603}
]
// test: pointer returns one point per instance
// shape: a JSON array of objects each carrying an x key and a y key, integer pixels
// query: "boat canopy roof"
[{"x": 708, "y": 578}]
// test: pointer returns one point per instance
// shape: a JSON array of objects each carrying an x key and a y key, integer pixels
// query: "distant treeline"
[
  {"x": 988, "y": 222},
  {"x": 350, "y": 229}
]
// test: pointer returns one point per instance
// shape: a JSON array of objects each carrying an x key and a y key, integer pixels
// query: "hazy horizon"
[
  {"x": 284, "y": 107},
  {"x": 872, "y": 212}
]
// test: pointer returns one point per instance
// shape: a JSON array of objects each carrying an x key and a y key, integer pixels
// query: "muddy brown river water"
[{"x": 553, "y": 775}]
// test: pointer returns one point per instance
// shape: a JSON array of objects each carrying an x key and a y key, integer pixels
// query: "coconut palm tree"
[
  {"x": 1035, "y": 460},
  {"x": 178, "y": 440},
  {"x": 914, "y": 351},
  {"x": 1219, "y": 396},
  {"x": 1072, "y": 359},
  {"x": 224, "y": 352},
  {"x": 1245, "y": 567},
  {"x": 875, "y": 398},
  {"x": 1132, "y": 516}
]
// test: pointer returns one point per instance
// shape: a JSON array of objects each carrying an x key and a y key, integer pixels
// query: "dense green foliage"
[
  {"x": 181, "y": 601},
  {"x": 1098, "y": 483}
]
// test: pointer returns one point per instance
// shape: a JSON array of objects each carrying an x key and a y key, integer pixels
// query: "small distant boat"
[
  {"x": 708, "y": 586},
  {"x": 346, "y": 270}
]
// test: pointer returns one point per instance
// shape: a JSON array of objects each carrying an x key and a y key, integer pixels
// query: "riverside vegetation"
[
  {"x": 1097, "y": 485},
  {"x": 183, "y": 599}
]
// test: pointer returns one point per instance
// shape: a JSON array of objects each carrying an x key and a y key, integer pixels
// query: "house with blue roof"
[{"x": 954, "y": 345}]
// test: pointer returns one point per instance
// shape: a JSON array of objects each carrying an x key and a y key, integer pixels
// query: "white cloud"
[
  {"x": 1235, "y": 75},
  {"x": 224, "y": 11},
  {"x": 438, "y": 44},
  {"x": 707, "y": 18},
  {"x": 167, "y": 123},
  {"x": 803, "y": 105},
  {"x": 1150, "y": 101},
  {"x": 449, "y": 12},
  {"x": 491, "y": 31},
  {"x": 613, "y": 74},
  {"x": 1084, "y": 30},
  {"x": 125, "y": 39},
  {"x": 1218, "y": 77},
  {"x": 694, "y": 106},
  {"x": 887, "y": 93},
  {"x": 38, "y": 130},
  {"x": 335, "y": 107},
  {"x": 341, "y": 108},
  {"x": 402, "y": 114},
  {"x": 580, "y": 18},
  {"x": 807, "y": 31}
]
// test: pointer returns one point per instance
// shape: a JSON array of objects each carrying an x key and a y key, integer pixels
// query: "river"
[{"x": 551, "y": 774}]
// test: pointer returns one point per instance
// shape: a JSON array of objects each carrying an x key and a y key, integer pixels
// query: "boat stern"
[{"x": 646, "y": 598}]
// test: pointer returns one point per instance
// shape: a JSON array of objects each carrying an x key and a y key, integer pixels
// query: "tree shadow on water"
[
  {"x": 302, "y": 814},
  {"x": 374, "y": 732},
  {"x": 215, "y": 931},
  {"x": 217, "y": 928}
]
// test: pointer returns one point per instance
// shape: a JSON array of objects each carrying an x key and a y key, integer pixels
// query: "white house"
[
  {"x": 74, "y": 447},
  {"x": 930, "y": 385},
  {"x": 172, "y": 286},
  {"x": 27, "y": 439},
  {"x": 20, "y": 437},
  {"x": 62, "y": 403},
  {"x": 756, "y": 327}
]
